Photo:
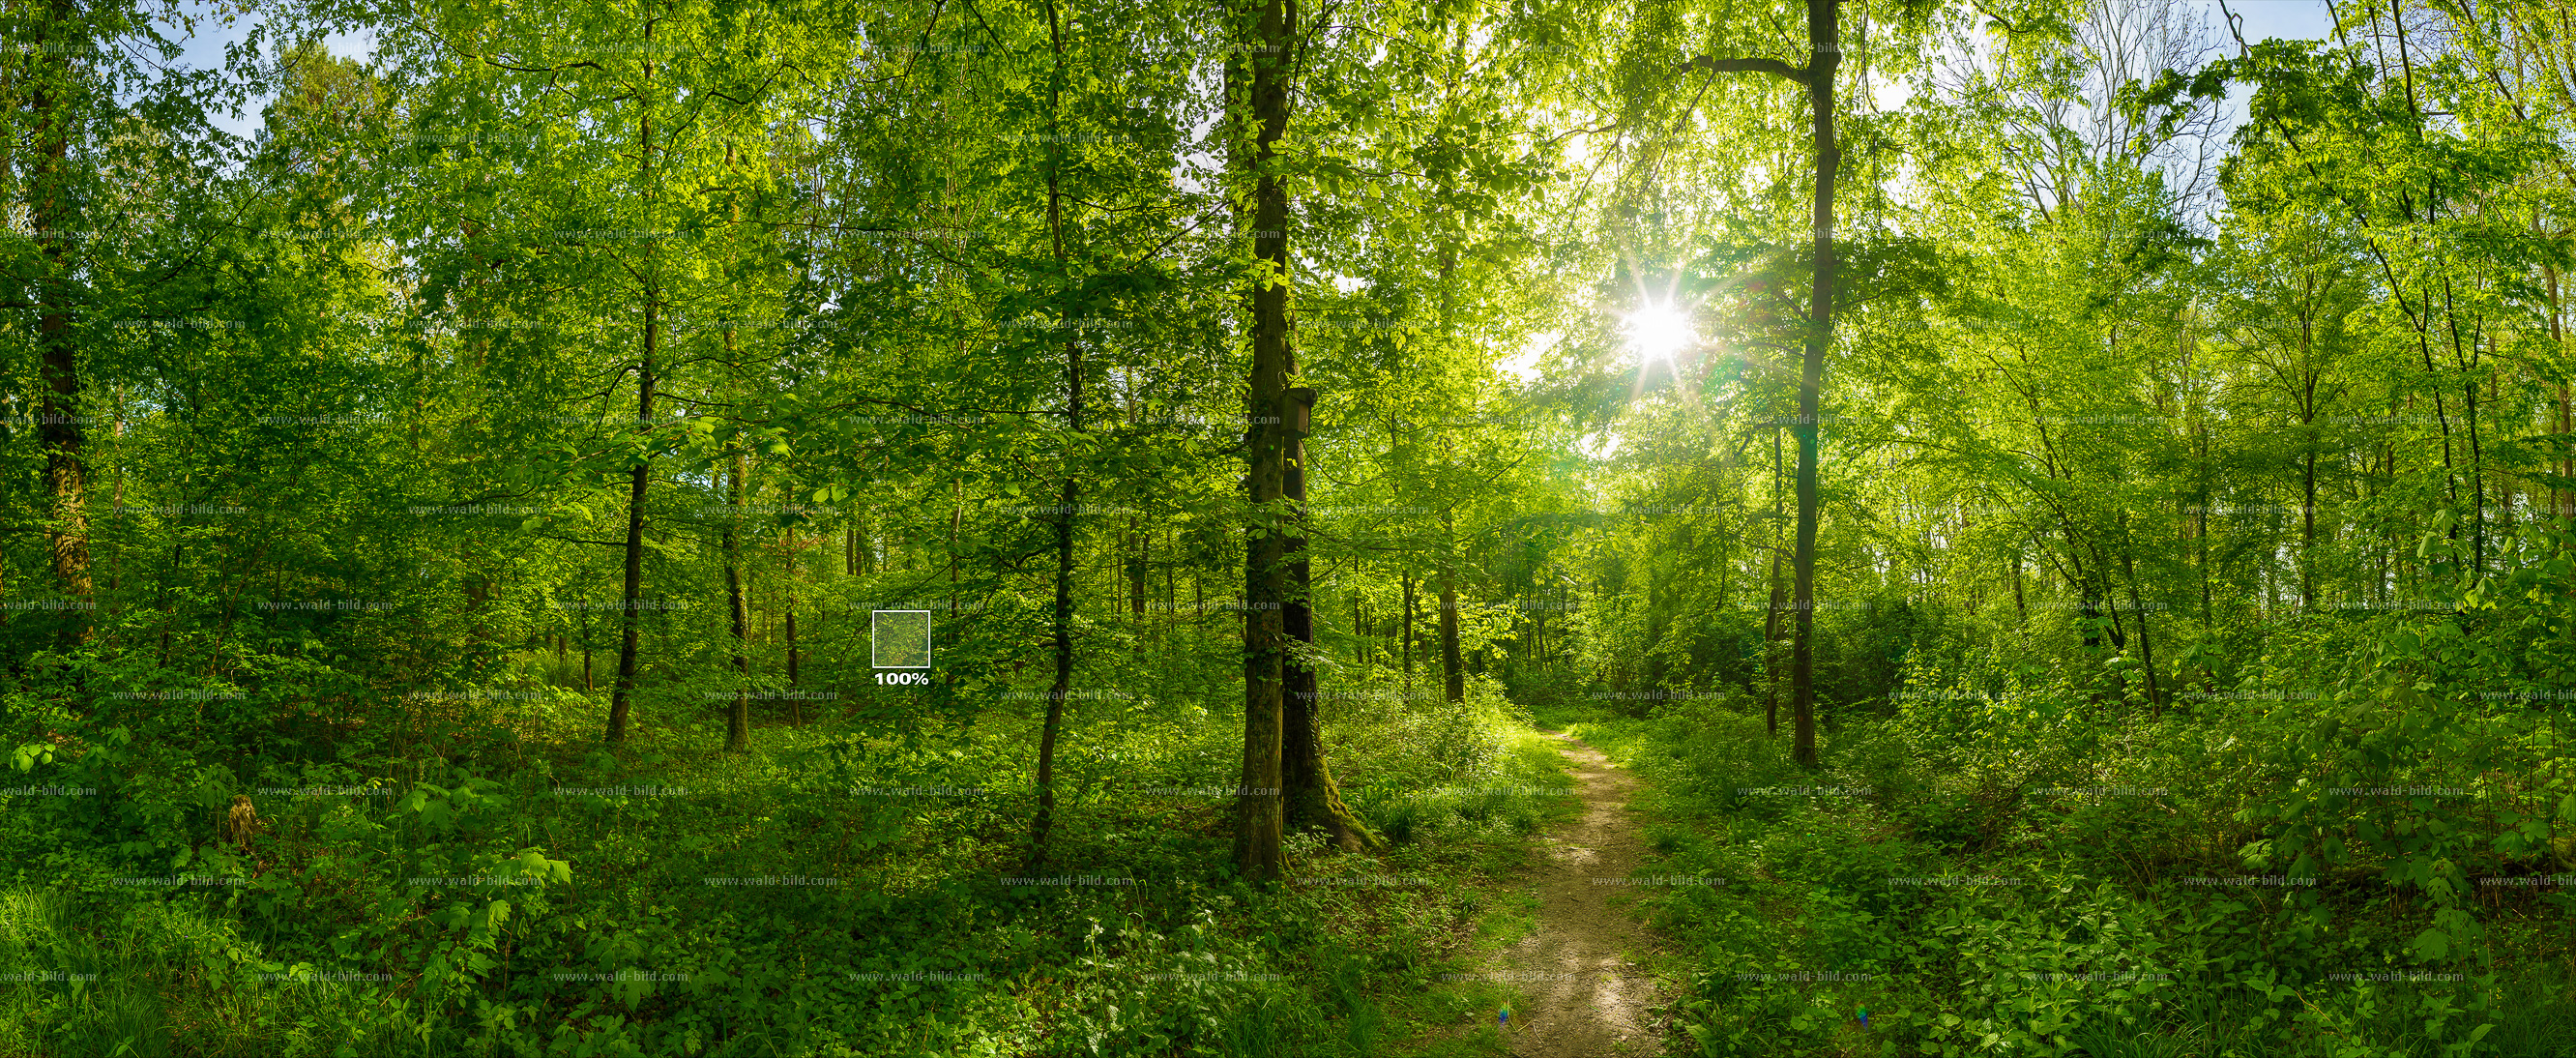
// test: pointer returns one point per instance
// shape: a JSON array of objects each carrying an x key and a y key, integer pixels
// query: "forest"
[{"x": 1277, "y": 529}]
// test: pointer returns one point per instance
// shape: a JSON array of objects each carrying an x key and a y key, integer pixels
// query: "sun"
[{"x": 1657, "y": 331}]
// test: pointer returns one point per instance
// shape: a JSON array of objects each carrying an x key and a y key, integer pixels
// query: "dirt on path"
[{"x": 1585, "y": 989}]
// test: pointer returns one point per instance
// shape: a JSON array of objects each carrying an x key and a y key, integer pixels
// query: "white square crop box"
[{"x": 899, "y": 639}]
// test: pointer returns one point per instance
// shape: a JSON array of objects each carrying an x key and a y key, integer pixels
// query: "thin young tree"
[{"x": 1824, "y": 46}]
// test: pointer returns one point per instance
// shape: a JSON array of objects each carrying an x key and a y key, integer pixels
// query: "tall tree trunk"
[
  {"x": 632, "y": 593},
  {"x": 1260, "y": 77},
  {"x": 2021, "y": 608},
  {"x": 795, "y": 701},
  {"x": 1404, "y": 635},
  {"x": 1825, "y": 42},
  {"x": 1825, "y": 56},
  {"x": 1311, "y": 799},
  {"x": 1656, "y": 598},
  {"x": 1070, "y": 493},
  {"x": 1139, "y": 573},
  {"x": 620, "y": 698},
  {"x": 2560, "y": 496},
  {"x": 1538, "y": 637},
  {"x": 1359, "y": 636},
  {"x": 2477, "y": 457},
  {"x": 2200, "y": 545},
  {"x": 2308, "y": 525},
  {"x": 794, "y": 546},
  {"x": 738, "y": 719},
  {"x": 2146, "y": 642},
  {"x": 116, "y": 500},
  {"x": 1453, "y": 674},
  {"x": 1779, "y": 593},
  {"x": 2565, "y": 500},
  {"x": 59, "y": 427}
]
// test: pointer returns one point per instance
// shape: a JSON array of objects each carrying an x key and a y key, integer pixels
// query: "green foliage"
[{"x": 2194, "y": 505}]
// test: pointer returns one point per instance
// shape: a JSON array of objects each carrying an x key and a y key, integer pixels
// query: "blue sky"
[
  {"x": 2294, "y": 19},
  {"x": 205, "y": 50}
]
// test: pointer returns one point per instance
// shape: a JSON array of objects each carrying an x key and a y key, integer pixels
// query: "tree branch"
[{"x": 1771, "y": 66}]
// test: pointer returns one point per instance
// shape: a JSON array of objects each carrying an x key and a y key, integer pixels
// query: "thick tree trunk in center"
[
  {"x": 1312, "y": 800},
  {"x": 1260, "y": 77}
]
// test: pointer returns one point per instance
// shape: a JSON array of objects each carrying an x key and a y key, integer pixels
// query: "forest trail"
[{"x": 1585, "y": 997}]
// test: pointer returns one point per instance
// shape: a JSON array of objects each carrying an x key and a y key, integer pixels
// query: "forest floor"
[{"x": 1581, "y": 971}]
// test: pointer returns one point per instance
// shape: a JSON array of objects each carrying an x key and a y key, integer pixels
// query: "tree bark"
[
  {"x": 795, "y": 701},
  {"x": 738, "y": 719},
  {"x": 1824, "y": 43},
  {"x": 1139, "y": 572},
  {"x": 1260, "y": 77},
  {"x": 2146, "y": 642},
  {"x": 1404, "y": 635},
  {"x": 1070, "y": 493},
  {"x": 795, "y": 547},
  {"x": 1311, "y": 799},
  {"x": 632, "y": 592},
  {"x": 2561, "y": 498},
  {"x": 1453, "y": 674},
  {"x": 1779, "y": 593},
  {"x": 2021, "y": 608},
  {"x": 1656, "y": 622},
  {"x": 1825, "y": 40},
  {"x": 621, "y": 696},
  {"x": 59, "y": 428}
]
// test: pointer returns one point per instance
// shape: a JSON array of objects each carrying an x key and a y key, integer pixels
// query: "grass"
[
  {"x": 905, "y": 939},
  {"x": 2077, "y": 956}
]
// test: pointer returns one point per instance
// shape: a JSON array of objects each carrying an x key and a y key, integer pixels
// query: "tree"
[
  {"x": 102, "y": 140},
  {"x": 1069, "y": 492},
  {"x": 1257, "y": 81},
  {"x": 1309, "y": 798},
  {"x": 1824, "y": 45},
  {"x": 738, "y": 718}
]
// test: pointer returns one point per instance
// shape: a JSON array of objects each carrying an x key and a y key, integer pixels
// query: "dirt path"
[{"x": 1585, "y": 996}]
